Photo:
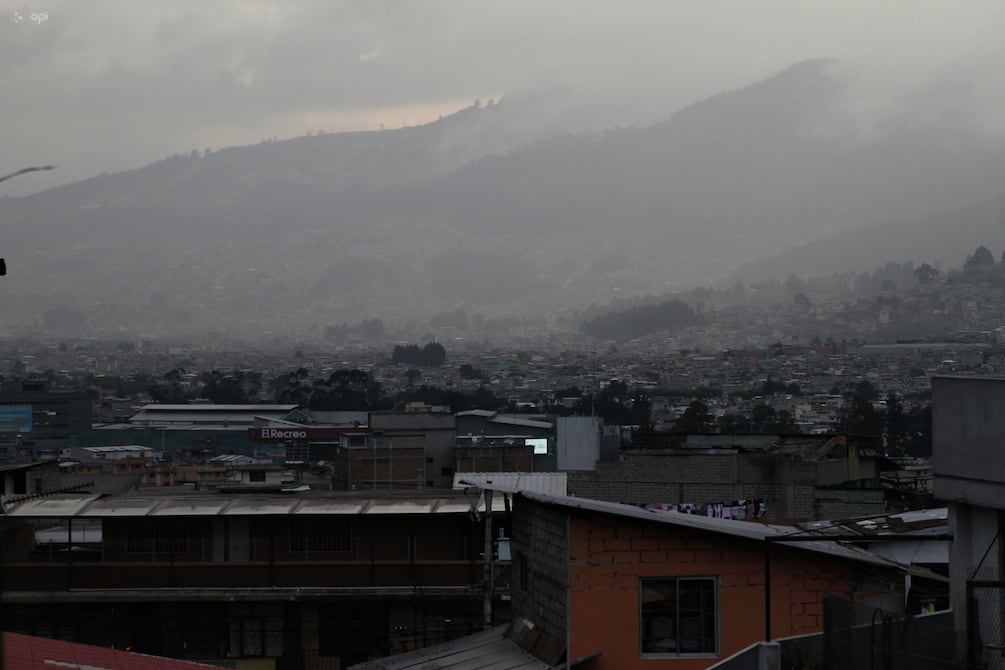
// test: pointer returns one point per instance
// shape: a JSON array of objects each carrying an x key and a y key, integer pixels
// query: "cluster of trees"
[
  {"x": 343, "y": 390},
  {"x": 221, "y": 387},
  {"x": 905, "y": 431},
  {"x": 642, "y": 320},
  {"x": 468, "y": 371},
  {"x": 763, "y": 419},
  {"x": 432, "y": 355},
  {"x": 615, "y": 404}
]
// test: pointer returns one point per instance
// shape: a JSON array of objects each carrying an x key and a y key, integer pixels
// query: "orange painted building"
[{"x": 616, "y": 587}]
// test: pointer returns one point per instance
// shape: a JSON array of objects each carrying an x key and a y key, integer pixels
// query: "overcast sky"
[{"x": 104, "y": 85}]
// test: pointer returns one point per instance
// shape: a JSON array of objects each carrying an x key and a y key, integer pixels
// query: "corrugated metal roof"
[
  {"x": 516, "y": 421},
  {"x": 22, "y": 466},
  {"x": 114, "y": 506},
  {"x": 913, "y": 522},
  {"x": 330, "y": 506},
  {"x": 195, "y": 507},
  {"x": 750, "y": 530},
  {"x": 63, "y": 505},
  {"x": 400, "y": 507},
  {"x": 261, "y": 507},
  {"x": 92, "y": 506},
  {"x": 117, "y": 449},
  {"x": 172, "y": 425},
  {"x": 551, "y": 483},
  {"x": 194, "y": 418},
  {"x": 210, "y": 407},
  {"x": 481, "y": 651},
  {"x": 27, "y": 652}
]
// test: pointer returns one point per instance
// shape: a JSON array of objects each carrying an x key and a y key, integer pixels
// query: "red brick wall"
[{"x": 609, "y": 555}]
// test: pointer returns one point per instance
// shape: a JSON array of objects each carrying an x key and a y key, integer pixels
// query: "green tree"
[
  {"x": 762, "y": 418},
  {"x": 918, "y": 438},
  {"x": 894, "y": 425},
  {"x": 866, "y": 390},
  {"x": 169, "y": 389},
  {"x": 857, "y": 416},
  {"x": 468, "y": 371},
  {"x": 291, "y": 388},
  {"x": 733, "y": 423},
  {"x": 348, "y": 391},
  {"x": 696, "y": 419},
  {"x": 981, "y": 262},
  {"x": 230, "y": 388},
  {"x": 486, "y": 399}
]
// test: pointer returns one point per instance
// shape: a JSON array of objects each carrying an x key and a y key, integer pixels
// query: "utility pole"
[{"x": 489, "y": 563}]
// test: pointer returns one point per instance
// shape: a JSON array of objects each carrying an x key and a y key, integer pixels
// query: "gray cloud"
[{"x": 106, "y": 85}]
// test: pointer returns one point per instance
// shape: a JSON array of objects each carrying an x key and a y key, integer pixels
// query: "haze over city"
[
  {"x": 385, "y": 334},
  {"x": 290, "y": 166}
]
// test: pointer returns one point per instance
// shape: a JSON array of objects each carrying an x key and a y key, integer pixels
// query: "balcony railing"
[{"x": 68, "y": 576}]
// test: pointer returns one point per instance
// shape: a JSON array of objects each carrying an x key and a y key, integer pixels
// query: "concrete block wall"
[
  {"x": 540, "y": 539},
  {"x": 787, "y": 485},
  {"x": 842, "y": 509}
]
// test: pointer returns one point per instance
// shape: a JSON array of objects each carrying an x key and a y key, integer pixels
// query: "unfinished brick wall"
[{"x": 609, "y": 556}]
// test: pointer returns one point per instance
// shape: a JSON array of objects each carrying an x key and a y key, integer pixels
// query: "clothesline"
[{"x": 746, "y": 510}]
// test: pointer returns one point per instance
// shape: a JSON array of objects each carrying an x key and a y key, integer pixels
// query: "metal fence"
[
  {"x": 886, "y": 642},
  {"x": 986, "y": 624}
]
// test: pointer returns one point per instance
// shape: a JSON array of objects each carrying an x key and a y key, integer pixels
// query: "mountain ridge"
[{"x": 468, "y": 210}]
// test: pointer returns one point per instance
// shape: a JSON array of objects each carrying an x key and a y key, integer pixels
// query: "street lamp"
[
  {"x": 24, "y": 170},
  {"x": 3, "y": 263}
]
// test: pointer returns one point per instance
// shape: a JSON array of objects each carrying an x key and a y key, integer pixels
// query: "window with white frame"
[{"x": 679, "y": 616}]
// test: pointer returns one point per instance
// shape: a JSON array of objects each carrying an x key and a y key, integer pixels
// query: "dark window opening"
[
  {"x": 679, "y": 616},
  {"x": 323, "y": 534},
  {"x": 256, "y": 630},
  {"x": 145, "y": 536}
]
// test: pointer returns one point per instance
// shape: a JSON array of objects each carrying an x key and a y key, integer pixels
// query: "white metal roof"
[
  {"x": 177, "y": 425},
  {"x": 551, "y": 483},
  {"x": 517, "y": 421},
  {"x": 93, "y": 506},
  {"x": 64, "y": 505},
  {"x": 117, "y": 449}
]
